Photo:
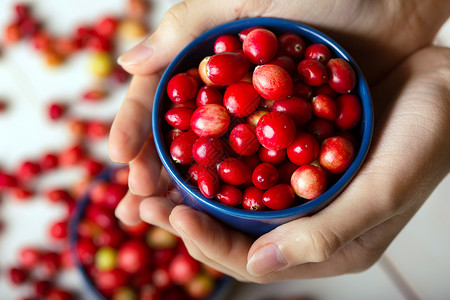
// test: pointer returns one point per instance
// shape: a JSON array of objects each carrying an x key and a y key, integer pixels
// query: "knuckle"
[
  {"x": 177, "y": 14},
  {"x": 323, "y": 244}
]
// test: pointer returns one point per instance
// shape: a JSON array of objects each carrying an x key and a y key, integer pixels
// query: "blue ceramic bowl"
[{"x": 255, "y": 223}]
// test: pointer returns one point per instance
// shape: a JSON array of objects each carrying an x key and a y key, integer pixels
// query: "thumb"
[{"x": 180, "y": 25}]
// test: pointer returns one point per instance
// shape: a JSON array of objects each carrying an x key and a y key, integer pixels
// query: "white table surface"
[{"x": 416, "y": 265}]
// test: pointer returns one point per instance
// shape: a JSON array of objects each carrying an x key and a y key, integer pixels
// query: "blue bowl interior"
[{"x": 256, "y": 223}]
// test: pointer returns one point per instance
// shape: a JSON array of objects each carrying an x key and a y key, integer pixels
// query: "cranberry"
[
  {"x": 208, "y": 183},
  {"x": 58, "y": 230},
  {"x": 29, "y": 257},
  {"x": 137, "y": 230},
  {"x": 181, "y": 148},
  {"x": 252, "y": 199},
  {"x": 243, "y": 34},
  {"x": 7, "y": 181},
  {"x": 251, "y": 160},
  {"x": 303, "y": 150},
  {"x": 50, "y": 264},
  {"x": 275, "y": 130},
  {"x": 292, "y": 45},
  {"x": 253, "y": 118},
  {"x": 203, "y": 72},
  {"x": 59, "y": 195},
  {"x": 260, "y": 46},
  {"x": 349, "y": 111},
  {"x": 229, "y": 195},
  {"x": 56, "y": 111},
  {"x": 132, "y": 256},
  {"x": 309, "y": 182},
  {"x": 324, "y": 107},
  {"x": 336, "y": 154},
  {"x": 325, "y": 90},
  {"x": 28, "y": 170},
  {"x": 106, "y": 27},
  {"x": 234, "y": 171},
  {"x": 183, "y": 268},
  {"x": 191, "y": 104},
  {"x": 111, "y": 237},
  {"x": 286, "y": 169},
  {"x": 341, "y": 76},
  {"x": 108, "y": 281},
  {"x": 49, "y": 161},
  {"x": 280, "y": 196},
  {"x": 172, "y": 134},
  {"x": 241, "y": 99},
  {"x": 71, "y": 156},
  {"x": 286, "y": 62},
  {"x": 194, "y": 171},
  {"x": 101, "y": 216},
  {"x": 303, "y": 90},
  {"x": 92, "y": 166},
  {"x": 299, "y": 109},
  {"x": 318, "y": 52},
  {"x": 243, "y": 139},
  {"x": 42, "y": 287},
  {"x": 179, "y": 118},
  {"x": 272, "y": 82},
  {"x": 59, "y": 294},
  {"x": 312, "y": 72},
  {"x": 265, "y": 176},
  {"x": 18, "y": 275},
  {"x": 274, "y": 157},
  {"x": 210, "y": 120},
  {"x": 182, "y": 87},
  {"x": 226, "y": 68},
  {"x": 321, "y": 129},
  {"x": 94, "y": 95},
  {"x": 208, "y": 95},
  {"x": 207, "y": 151},
  {"x": 227, "y": 43}
]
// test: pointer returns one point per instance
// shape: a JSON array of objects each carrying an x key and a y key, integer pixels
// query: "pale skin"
[{"x": 409, "y": 156}]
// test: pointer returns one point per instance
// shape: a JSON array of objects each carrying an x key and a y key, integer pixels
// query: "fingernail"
[
  {"x": 266, "y": 260},
  {"x": 136, "y": 55}
]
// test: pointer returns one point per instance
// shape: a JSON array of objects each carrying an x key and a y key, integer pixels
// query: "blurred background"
[{"x": 59, "y": 91}]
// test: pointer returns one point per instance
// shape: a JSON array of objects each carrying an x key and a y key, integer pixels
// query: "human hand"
[{"x": 352, "y": 232}]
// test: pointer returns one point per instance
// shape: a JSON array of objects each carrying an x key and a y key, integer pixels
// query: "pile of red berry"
[
  {"x": 135, "y": 262},
  {"x": 266, "y": 121}
]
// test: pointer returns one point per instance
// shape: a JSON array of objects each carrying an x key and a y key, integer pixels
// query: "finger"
[
  {"x": 156, "y": 211},
  {"x": 180, "y": 25},
  {"x": 128, "y": 209},
  {"x": 132, "y": 125}
]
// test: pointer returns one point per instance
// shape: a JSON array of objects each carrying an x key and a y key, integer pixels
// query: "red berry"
[
  {"x": 7, "y": 181},
  {"x": 28, "y": 170},
  {"x": 260, "y": 46},
  {"x": 49, "y": 161},
  {"x": 227, "y": 43},
  {"x": 42, "y": 287},
  {"x": 179, "y": 117},
  {"x": 29, "y": 257},
  {"x": 303, "y": 90},
  {"x": 349, "y": 111},
  {"x": 325, "y": 90},
  {"x": 229, "y": 195},
  {"x": 182, "y": 87},
  {"x": 226, "y": 68},
  {"x": 208, "y": 95},
  {"x": 58, "y": 230},
  {"x": 243, "y": 34},
  {"x": 207, "y": 151},
  {"x": 108, "y": 281},
  {"x": 183, "y": 268},
  {"x": 292, "y": 45},
  {"x": 181, "y": 148},
  {"x": 318, "y": 52},
  {"x": 106, "y": 27},
  {"x": 210, "y": 120},
  {"x": 253, "y": 118},
  {"x": 275, "y": 130},
  {"x": 274, "y": 157},
  {"x": 341, "y": 76},
  {"x": 241, "y": 99},
  {"x": 299, "y": 109},
  {"x": 286, "y": 169},
  {"x": 86, "y": 250},
  {"x": 252, "y": 199},
  {"x": 286, "y": 62},
  {"x": 234, "y": 171},
  {"x": 336, "y": 154},
  {"x": 133, "y": 256},
  {"x": 303, "y": 150},
  {"x": 56, "y": 111},
  {"x": 312, "y": 72},
  {"x": 194, "y": 172},
  {"x": 272, "y": 82},
  {"x": 242, "y": 139},
  {"x": 18, "y": 275},
  {"x": 280, "y": 196},
  {"x": 59, "y": 294},
  {"x": 309, "y": 182},
  {"x": 265, "y": 176},
  {"x": 324, "y": 107},
  {"x": 208, "y": 183},
  {"x": 321, "y": 129},
  {"x": 50, "y": 264},
  {"x": 94, "y": 95}
]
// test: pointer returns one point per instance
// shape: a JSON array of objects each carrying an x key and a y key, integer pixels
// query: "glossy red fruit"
[
  {"x": 260, "y": 46},
  {"x": 101, "y": 216},
  {"x": 309, "y": 182},
  {"x": 253, "y": 118},
  {"x": 272, "y": 82},
  {"x": 133, "y": 256},
  {"x": 50, "y": 264},
  {"x": 303, "y": 150},
  {"x": 210, "y": 120},
  {"x": 208, "y": 95},
  {"x": 207, "y": 151},
  {"x": 28, "y": 170},
  {"x": 321, "y": 129},
  {"x": 227, "y": 43},
  {"x": 42, "y": 287},
  {"x": 29, "y": 257},
  {"x": 106, "y": 27},
  {"x": 303, "y": 90},
  {"x": 179, "y": 118},
  {"x": 299, "y": 109},
  {"x": 58, "y": 230},
  {"x": 229, "y": 195},
  {"x": 349, "y": 111},
  {"x": 17, "y": 275},
  {"x": 193, "y": 173},
  {"x": 188, "y": 104},
  {"x": 325, "y": 90},
  {"x": 280, "y": 196},
  {"x": 318, "y": 52},
  {"x": 265, "y": 176},
  {"x": 242, "y": 139},
  {"x": 252, "y": 199},
  {"x": 241, "y": 99},
  {"x": 275, "y": 130},
  {"x": 312, "y": 72},
  {"x": 86, "y": 250},
  {"x": 56, "y": 111},
  {"x": 274, "y": 157},
  {"x": 234, "y": 171},
  {"x": 112, "y": 237},
  {"x": 181, "y": 148},
  {"x": 324, "y": 107},
  {"x": 226, "y": 68},
  {"x": 183, "y": 268},
  {"x": 243, "y": 34},
  {"x": 292, "y": 45},
  {"x": 108, "y": 281},
  {"x": 341, "y": 76},
  {"x": 336, "y": 154},
  {"x": 208, "y": 183},
  {"x": 286, "y": 62},
  {"x": 182, "y": 87}
]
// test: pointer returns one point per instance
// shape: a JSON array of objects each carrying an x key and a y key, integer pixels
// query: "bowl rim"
[{"x": 362, "y": 89}]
